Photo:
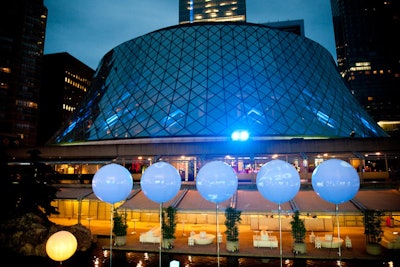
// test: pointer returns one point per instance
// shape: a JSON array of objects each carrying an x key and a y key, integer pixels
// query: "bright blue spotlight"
[
  {"x": 240, "y": 135},
  {"x": 235, "y": 136},
  {"x": 244, "y": 135}
]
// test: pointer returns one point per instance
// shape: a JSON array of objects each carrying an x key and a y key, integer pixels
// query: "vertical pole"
[
  {"x": 217, "y": 234},
  {"x": 387, "y": 167},
  {"x": 161, "y": 236},
  {"x": 79, "y": 210},
  {"x": 338, "y": 230},
  {"x": 280, "y": 232},
  {"x": 111, "y": 228}
]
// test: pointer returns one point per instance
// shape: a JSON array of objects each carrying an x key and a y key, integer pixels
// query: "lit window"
[
  {"x": 5, "y": 70},
  {"x": 27, "y": 104},
  {"x": 4, "y": 85}
]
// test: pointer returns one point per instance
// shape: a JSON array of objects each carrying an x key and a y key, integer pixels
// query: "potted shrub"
[
  {"x": 168, "y": 227},
  {"x": 373, "y": 231},
  {"x": 120, "y": 227},
  {"x": 298, "y": 233},
  {"x": 232, "y": 221}
]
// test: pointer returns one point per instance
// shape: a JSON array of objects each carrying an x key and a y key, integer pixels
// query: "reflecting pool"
[{"x": 97, "y": 257}]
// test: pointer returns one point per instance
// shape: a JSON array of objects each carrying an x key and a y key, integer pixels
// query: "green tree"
[
  {"x": 169, "y": 222},
  {"x": 120, "y": 225},
  {"x": 298, "y": 228},
  {"x": 372, "y": 225},
  {"x": 27, "y": 192},
  {"x": 232, "y": 220}
]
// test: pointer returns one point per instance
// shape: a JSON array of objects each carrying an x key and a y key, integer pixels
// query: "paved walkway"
[{"x": 101, "y": 233}]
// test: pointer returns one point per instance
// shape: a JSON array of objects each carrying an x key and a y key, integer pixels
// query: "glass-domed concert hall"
[{"x": 211, "y": 79}]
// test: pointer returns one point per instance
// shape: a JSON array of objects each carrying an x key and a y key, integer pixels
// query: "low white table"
[{"x": 203, "y": 239}]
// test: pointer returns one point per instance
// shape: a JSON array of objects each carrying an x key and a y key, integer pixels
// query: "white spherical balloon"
[
  {"x": 278, "y": 181},
  {"x": 160, "y": 182},
  {"x": 112, "y": 183},
  {"x": 335, "y": 181},
  {"x": 216, "y": 181}
]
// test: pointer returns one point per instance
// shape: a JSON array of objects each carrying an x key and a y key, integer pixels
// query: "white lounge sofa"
[
  {"x": 265, "y": 240},
  {"x": 151, "y": 236},
  {"x": 390, "y": 240}
]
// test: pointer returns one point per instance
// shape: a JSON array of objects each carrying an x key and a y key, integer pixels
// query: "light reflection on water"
[
  {"x": 97, "y": 257},
  {"x": 136, "y": 259}
]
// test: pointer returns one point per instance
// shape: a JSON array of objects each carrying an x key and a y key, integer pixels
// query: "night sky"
[{"x": 88, "y": 29}]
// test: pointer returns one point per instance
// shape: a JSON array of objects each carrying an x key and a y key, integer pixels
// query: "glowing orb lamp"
[
  {"x": 112, "y": 183},
  {"x": 216, "y": 181},
  {"x": 61, "y": 245},
  {"x": 278, "y": 181},
  {"x": 160, "y": 182},
  {"x": 335, "y": 181}
]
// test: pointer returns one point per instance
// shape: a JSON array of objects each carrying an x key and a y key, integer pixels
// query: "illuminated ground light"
[{"x": 240, "y": 135}]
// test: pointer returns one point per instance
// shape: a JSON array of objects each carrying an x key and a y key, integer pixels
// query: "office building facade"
[
  {"x": 22, "y": 35},
  {"x": 211, "y": 10},
  {"x": 65, "y": 83},
  {"x": 368, "y": 55}
]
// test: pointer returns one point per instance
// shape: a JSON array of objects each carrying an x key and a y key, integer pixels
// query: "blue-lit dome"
[{"x": 210, "y": 79}]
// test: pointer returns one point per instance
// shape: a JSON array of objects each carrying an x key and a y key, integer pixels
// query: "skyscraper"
[
  {"x": 211, "y": 10},
  {"x": 22, "y": 34},
  {"x": 368, "y": 55},
  {"x": 65, "y": 83}
]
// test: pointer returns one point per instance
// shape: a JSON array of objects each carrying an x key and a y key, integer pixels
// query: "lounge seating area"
[
  {"x": 151, "y": 236},
  {"x": 265, "y": 240},
  {"x": 390, "y": 239}
]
